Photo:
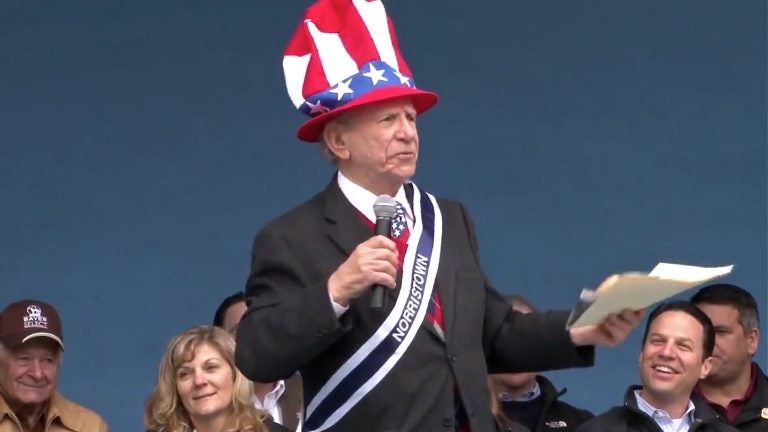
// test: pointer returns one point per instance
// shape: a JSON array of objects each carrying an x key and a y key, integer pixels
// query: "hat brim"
[
  {"x": 422, "y": 101},
  {"x": 44, "y": 334}
]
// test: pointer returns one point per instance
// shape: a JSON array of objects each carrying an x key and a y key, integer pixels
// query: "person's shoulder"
[
  {"x": 451, "y": 206},
  {"x": 297, "y": 216},
  {"x": 761, "y": 391},
  {"x": 313, "y": 204},
  {"x": 559, "y": 407},
  {"x": 610, "y": 420},
  {"x": 76, "y": 416},
  {"x": 573, "y": 411},
  {"x": 275, "y": 427},
  {"x": 448, "y": 202}
]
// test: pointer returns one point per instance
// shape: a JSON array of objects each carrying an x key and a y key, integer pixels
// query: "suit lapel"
[
  {"x": 446, "y": 286},
  {"x": 347, "y": 229},
  {"x": 345, "y": 225}
]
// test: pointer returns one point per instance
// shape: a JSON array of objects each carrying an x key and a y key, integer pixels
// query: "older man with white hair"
[
  {"x": 30, "y": 357},
  {"x": 390, "y": 333}
]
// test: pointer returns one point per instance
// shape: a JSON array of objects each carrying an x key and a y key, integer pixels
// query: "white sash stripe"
[{"x": 375, "y": 18}]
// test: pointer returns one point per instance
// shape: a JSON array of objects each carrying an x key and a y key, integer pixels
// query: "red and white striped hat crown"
[{"x": 345, "y": 54}]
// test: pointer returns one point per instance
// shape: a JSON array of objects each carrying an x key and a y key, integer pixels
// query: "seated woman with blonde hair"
[{"x": 200, "y": 389}]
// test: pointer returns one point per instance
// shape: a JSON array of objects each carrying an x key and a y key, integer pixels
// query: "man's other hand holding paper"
[{"x": 611, "y": 331}]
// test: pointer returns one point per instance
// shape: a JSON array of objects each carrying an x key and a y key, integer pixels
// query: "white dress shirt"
[
  {"x": 663, "y": 419},
  {"x": 269, "y": 404}
]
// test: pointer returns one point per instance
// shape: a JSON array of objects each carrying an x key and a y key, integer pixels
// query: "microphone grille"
[{"x": 385, "y": 206}]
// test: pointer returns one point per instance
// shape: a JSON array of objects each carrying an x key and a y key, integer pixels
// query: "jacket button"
[
  {"x": 447, "y": 421},
  {"x": 452, "y": 358}
]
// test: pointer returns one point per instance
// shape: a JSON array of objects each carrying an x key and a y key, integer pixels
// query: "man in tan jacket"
[{"x": 31, "y": 344}]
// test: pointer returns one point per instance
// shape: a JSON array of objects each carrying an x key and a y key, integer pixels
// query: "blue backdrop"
[{"x": 142, "y": 144}]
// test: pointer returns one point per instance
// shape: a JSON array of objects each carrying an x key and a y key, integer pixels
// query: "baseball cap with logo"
[{"x": 28, "y": 319}]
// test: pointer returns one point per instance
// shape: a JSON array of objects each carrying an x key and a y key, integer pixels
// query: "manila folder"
[{"x": 636, "y": 290}]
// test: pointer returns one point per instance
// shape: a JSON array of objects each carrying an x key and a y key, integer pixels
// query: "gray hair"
[
  {"x": 342, "y": 119},
  {"x": 328, "y": 155}
]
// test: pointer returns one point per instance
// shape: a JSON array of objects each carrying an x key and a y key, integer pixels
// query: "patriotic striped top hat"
[{"x": 345, "y": 54}]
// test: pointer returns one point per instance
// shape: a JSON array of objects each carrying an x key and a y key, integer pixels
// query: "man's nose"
[
  {"x": 406, "y": 128},
  {"x": 35, "y": 370},
  {"x": 668, "y": 350}
]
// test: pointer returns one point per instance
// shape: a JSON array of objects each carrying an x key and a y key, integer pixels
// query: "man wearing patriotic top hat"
[{"x": 419, "y": 361}]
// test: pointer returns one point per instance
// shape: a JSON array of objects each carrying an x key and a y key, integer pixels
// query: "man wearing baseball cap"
[
  {"x": 389, "y": 334},
  {"x": 31, "y": 343}
]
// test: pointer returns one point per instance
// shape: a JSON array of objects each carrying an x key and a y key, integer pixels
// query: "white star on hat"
[
  {"x": 316, "y": 108},
  {"x": 342, "y": 88},
  {"x": 403, "y": 79},
  {"x": 375, "y": 75}
]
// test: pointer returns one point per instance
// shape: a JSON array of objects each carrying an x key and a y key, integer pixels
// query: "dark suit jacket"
[
  {"x": 275, "y": 427},
  {"x": 290, "y": 324}
]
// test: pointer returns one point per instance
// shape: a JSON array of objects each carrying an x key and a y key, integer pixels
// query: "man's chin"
[
  {"x": 716, "y": 378},
  {"x": 33, "y": 397},
  {"x": 662, "y": 390}
]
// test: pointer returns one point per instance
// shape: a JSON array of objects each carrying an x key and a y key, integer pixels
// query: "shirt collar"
[
  {"x": 56, "y": 409},
  {"x": 656, "y": 413},
  {"x": 271, "y": 398},
  {"x": 363, "y": 200},
  {"x": 5, "y": 409},
  {"x": 530, "y": 395}
]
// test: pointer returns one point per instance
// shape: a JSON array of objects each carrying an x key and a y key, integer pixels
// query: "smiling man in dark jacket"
[{"x": 677, "y": 348}]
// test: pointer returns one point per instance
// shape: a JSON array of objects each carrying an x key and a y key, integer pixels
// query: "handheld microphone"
[{"x": 385, "y": 208}]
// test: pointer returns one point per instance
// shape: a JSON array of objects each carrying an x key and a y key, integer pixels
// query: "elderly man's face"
[
  {"x": 28, "y": 373},
  {"x": 378, "y": 144}
]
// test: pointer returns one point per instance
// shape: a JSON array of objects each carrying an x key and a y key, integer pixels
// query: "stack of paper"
[{"x": 636, "y": 290}]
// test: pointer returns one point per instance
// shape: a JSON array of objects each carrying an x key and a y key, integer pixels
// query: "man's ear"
[
  {"x": 753, "y": 340},
  {"x": 333, "y": 137},
  {"x": 706, "y": 367}
]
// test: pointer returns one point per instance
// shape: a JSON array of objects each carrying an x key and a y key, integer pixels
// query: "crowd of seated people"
[{"x": 696, "y": 371}]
